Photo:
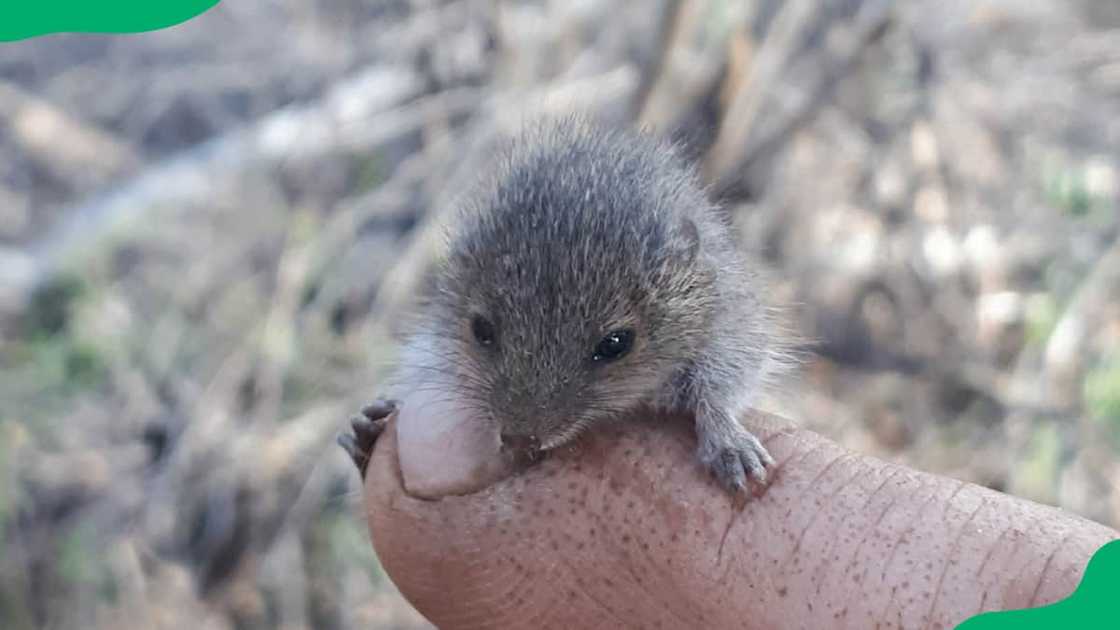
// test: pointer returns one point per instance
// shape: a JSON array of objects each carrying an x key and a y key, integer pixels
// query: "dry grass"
[{"x": 206, "y": 237}]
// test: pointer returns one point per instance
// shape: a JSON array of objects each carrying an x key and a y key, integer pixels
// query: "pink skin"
[
  {"x": 625, "y": 531},
  {"x": 444, "y": 450}
]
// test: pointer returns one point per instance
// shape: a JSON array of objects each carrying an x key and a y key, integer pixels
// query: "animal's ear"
[{"x": 686, "y": 243}]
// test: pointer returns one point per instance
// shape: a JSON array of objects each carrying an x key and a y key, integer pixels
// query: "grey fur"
[{"x": 581, "y": 231}]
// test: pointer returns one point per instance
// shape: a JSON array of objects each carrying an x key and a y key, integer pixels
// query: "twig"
[
  {"x": 738, "y": 120},
  {"x": 668, "y": 29},
  {"x": 88, "y": 156},
  {"x": 733, "y": 153},
  {"x": 344, "y": 118}
]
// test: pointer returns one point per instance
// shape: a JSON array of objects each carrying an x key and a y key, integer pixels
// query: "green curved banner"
[
  {"x": 20, "y": 19},
  {"x": 1095, "y": 603}
]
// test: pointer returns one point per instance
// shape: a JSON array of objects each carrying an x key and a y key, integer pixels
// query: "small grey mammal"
[{"x": 589, "y": 276}]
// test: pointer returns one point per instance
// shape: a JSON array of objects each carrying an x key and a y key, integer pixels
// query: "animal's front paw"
[
  {"x": 735, "y": 456},
  {"x": 364, "y": 431}
]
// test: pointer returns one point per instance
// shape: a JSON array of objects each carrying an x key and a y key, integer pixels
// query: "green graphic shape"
[
  {"x": 1093, "y": 605},
  {"x": 20, "y": 19}
]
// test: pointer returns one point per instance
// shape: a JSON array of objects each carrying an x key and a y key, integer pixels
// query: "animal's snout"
[{"x": 525, "y": 443}]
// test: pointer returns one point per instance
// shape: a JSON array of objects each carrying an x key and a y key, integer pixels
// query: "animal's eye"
[
  {"x": 614, "y": 346},
  {"x": 482, "y": 330}
]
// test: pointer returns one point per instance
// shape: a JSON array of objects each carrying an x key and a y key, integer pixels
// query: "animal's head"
[{"x": 574, "y": 286}]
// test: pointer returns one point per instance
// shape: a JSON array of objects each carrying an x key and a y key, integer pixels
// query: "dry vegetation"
[{"x": 206, "y": 234}]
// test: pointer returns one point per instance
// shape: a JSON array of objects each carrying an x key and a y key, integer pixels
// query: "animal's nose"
[{"x": 526, "y": 443}]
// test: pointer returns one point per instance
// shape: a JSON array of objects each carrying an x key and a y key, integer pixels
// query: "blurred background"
[{"x": 207, "y": 232}]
